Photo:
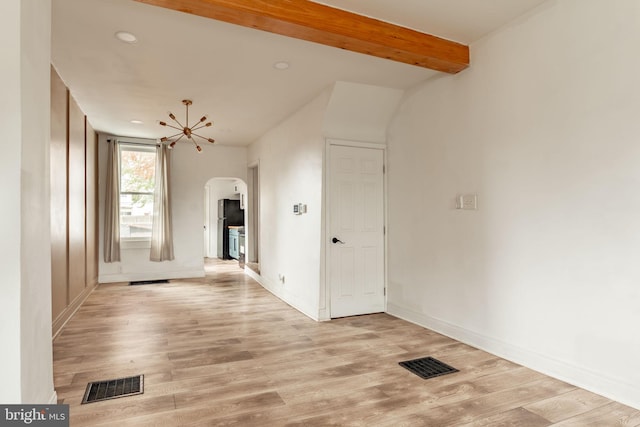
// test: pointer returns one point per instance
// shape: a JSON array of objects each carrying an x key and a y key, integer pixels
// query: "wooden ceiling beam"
[{"x": 315, "y": 22}]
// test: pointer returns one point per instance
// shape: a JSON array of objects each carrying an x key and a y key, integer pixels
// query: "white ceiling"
[{"x": 228, "y": 70}]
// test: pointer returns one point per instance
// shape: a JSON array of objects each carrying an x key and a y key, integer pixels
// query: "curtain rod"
[{"x": 157, "y": 144}]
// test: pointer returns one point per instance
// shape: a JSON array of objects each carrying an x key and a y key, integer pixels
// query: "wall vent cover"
[
  {"x": 112, "y": 389},
  {"x": 427, "y": 367}
]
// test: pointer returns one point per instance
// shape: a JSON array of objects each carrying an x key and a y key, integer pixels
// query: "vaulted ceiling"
[{"x": 227, "y": 65}]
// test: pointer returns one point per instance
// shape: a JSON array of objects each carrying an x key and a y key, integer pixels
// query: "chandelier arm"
[
  {"x": 199, "y": 127},
  {"x": 199, "y": 136},
  {"x": 176, "y": 120},
  {"x": 174, "y": 142},
  {"x": 197, "y": 146},
  {"x": 174, "y": 127},
  {"x": 211, "y": 140},
  {"x": 173, "y": 136}
]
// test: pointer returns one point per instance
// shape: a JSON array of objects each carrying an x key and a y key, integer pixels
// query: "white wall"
[
  {"x": 359, "y": 112},
  {"x": 190, "y": 172},
  {"x": 290, "y": 157},
  {"x": 25, "y": 257},
  {"x": 544, "y": 128},
  {"x": 10, "y": 115}
]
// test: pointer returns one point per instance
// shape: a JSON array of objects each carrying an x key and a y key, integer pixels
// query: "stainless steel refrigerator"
[{"x": 229, "y": 214}]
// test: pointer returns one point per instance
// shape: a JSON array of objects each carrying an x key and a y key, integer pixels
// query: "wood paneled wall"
[
  {"x": 91, "y": 202},
  {"x": 77, "y": 203},
  {"x": 74, "y": 196},
  {"x": 58, "y": 156}
]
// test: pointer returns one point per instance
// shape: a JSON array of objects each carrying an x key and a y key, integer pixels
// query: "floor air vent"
[
  {"x": 147, "y": 282},
  {"x": 112, "y": 389},
  {"x": 427, "y": 367}
]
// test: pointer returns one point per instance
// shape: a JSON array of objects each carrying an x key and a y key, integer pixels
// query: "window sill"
[{"x": 135, "y": 244}]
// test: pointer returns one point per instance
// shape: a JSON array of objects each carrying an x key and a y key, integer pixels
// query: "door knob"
[{"x": 336, "y": 240}]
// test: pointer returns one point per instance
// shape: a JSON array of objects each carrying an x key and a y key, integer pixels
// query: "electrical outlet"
[{"x": 281, "y": 278}]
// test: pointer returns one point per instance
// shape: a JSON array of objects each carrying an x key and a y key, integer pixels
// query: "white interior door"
[{"x": 356, "y": 230}]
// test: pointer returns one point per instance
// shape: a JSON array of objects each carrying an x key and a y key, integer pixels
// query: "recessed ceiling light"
[
  {"x": 281, "y": 65},
  {"x": 136, "y": 122},
  {"x": 126, "y": 37}
]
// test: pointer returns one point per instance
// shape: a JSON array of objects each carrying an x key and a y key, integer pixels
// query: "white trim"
[
  {"x": 156, "y": 275},
  {"x": 612, "y": 388},
  {"x": 127, "y": 140},
  {"x": 255, "y": 276},
  {"x": 358, "y": 144},
  {"x": 253, "y": 239},
  {"x": 70, "y": 310},
  {"x": 53, "y": 400},
  {"x": 324, "y": 285},
  {"x": 266, "y": 285},
  {"x": 135, "y": 243}
]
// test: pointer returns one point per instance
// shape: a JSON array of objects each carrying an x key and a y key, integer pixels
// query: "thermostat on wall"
[{"x": 299, "y": 209}]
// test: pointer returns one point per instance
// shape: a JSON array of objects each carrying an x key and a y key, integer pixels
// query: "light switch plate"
[{"x": 467, "y": 202}]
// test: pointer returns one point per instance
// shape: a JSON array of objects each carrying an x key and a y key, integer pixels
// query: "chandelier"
[{"x": 185, "y": 130}]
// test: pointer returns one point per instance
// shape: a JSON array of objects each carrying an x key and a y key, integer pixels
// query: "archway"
[{"x": 217, "y": 225}]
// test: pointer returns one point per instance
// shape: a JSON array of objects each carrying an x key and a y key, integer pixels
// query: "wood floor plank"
[
  {"x": 611, "y": 415},
  {"x": 221, "y": 350},
  {"x": 518, "y": 417},
  {"x": 567, "y": 405}
]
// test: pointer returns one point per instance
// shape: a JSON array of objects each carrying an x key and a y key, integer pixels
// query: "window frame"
[{"x": 139, "y": 146}]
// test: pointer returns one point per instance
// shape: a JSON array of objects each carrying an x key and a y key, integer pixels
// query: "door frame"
[
  {"x": 207, "y": 220},
  {"x": 252, "y": 242},
  {"x": 325, "y": 291},
  {"x": 213, "y": 185}
]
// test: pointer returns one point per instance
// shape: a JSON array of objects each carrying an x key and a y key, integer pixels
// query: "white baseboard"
[
  {"x": 289, "y": 301},
  {"x": 58, "y": 324},
  {"x": 53, "y": 400},
  {"x": 133, "y": 277},
  {"x": 612, "y": 388},
  {"x": 255, "y": 276}
]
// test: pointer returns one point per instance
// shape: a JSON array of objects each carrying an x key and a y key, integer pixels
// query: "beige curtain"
[
  {"x": 112, "y": 206},
  {"x": 162, "y": 230}
]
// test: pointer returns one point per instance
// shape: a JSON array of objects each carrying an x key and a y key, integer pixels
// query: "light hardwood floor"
[{"x": 223, "y": 351}]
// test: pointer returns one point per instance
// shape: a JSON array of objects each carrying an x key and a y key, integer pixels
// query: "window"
[{"x": 137, "y": 182}]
